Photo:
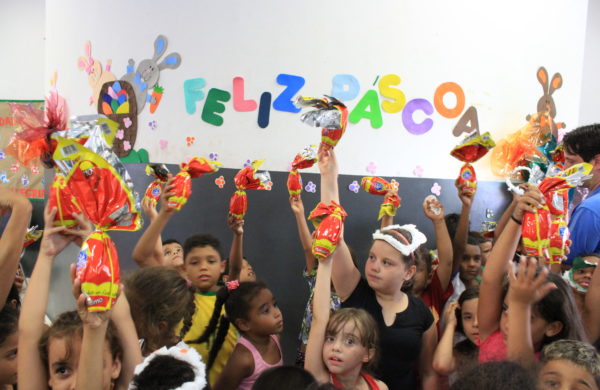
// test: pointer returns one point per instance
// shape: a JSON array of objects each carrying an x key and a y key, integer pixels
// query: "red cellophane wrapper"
[
  {"x": 154, "y": 189},
  {"x": 305, "y": 159},
  {"x": 197, "y": 167},
  {"x": 520, "y": 147},
  {"x": 294, "y": 183},
  {"x": 328, "y": 221},
  {"x": 379, "y": 186},
  {"x": 331, "y": 137},
  {"x": 31, "y": 142},
  {"x": 470, "y": 150},
  {"x": 247, "y": 178},
  {"x": 330, "y": 114},
  {"x": 535, "y": 231},
  {"x": 559, "y": 234},
  {"x": 95, "y": 188}
]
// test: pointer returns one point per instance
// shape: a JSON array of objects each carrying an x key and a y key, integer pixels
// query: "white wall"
[
  {"x": 22, "y": 62},
  {"x": 589, "y": 111}
]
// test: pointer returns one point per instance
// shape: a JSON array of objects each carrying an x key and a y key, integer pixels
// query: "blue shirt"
[{"x": 584, "y": 227}]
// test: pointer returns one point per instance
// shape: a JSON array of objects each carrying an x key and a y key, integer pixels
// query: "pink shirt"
[{"x": 259, "y": 364}]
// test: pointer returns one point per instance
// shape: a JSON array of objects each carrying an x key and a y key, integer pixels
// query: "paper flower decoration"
[
  {"x": 220, "y": 182},
  {"x": 436, "y": 189},
  {"x": 247, "y": 164},
  {"x": 311, "y": 187},
  {"x": 418, "y": 171},
  {"x": 163, "y": 144},
  {"x": 354, "y": 187},
  {"x": 372, "y": 168},
  {"x": 213, "y": 156},
  {"x": 152, "y": 125}
]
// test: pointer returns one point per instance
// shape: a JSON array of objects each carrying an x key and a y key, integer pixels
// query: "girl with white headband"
[{"x": 407, "y": 331}]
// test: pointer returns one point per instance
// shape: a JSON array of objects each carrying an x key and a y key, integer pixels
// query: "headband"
[
  {"x": 402, "y": 245},
  {"x": 183, "y": 352}
]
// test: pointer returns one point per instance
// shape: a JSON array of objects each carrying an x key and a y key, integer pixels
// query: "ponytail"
[{"x": 222, "y": 296}]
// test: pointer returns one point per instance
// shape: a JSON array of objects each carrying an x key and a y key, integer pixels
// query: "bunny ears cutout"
[
  {"x": 86, "y": 63},
  {"x": 556, "y": 83},
  {"x": 171, "y": 61}
]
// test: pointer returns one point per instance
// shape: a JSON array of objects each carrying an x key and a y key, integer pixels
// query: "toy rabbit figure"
[
  {"x": 93, "y": 68},
  {"x": 145, "y": 77},
  {"x": 546, "y": 102}
]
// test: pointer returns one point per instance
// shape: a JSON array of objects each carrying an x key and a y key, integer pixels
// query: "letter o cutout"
[{"x": 438, "y": 99}]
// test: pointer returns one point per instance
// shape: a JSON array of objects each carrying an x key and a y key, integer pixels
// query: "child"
[
  {"x": 469, "y": 267},
  {"x": 178, "y": 367},
  {"x": 342, "y": 346},
  {"x": 11, "y": 242},
  {"x": 9, "y": 337},
  {"x": 408, "y": 334},
  {"x": 251, "y": 308},
  {"x": 160, "y": 299},
  {"x": 285, "y": 378},
  {"x": 554, "y": 316},
  {"x": 459, "y": 316},
  {"x": 569, "y": 364},
  {"x": 53, "y": 356},
  {"x": 309, "y": 274},
  {"x": 585, "y": 284},
  {"x": 496, "y": 376},
  {"x": 204, "y": 266}
]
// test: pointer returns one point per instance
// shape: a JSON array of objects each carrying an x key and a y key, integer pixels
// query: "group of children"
[{"x": 461, "y": 316}]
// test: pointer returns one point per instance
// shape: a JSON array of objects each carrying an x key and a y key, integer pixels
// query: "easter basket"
[{"x": 117, "y": 101}]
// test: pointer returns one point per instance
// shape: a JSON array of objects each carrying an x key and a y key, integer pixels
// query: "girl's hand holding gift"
[{"x": 531, "y": 200}]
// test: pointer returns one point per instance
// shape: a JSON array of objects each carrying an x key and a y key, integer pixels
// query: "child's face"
[
  {"x": 565, "y": 375},
  {"x": 173, "y": 254},
  {"x": 264, "y": 316},
  {"x": 385, "y": 269},
  {"x": 63, "y": 360},
  {"x": 470, "y": 264},
  {"x": 486, "y": 249},
  {"x": 422, "y": 279},
  {"x": 583, "y": 276},
  {"x": 247, "y": 274},
  {"x": 468, "y": 312},
  {"x": 343, "y": 352},
  {"x": 204, "y": 267},
  {"x": 540, "y": 328},
  {"x": 8, "y": 360}
]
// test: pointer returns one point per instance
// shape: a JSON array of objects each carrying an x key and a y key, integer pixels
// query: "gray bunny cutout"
[
  {"x": 546, "y": 102},
  {"x": 145, "y": 77}
]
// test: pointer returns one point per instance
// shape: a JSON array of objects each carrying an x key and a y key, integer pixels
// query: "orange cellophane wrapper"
[
  {"x": 182, "y": 183},
  {"x": 331, "y": 137},
  {"x": 379, "y": 186},
  {"x": 238, "y": 204},
  {"x": 294, "y": 183},
  {"x": 535, "y": 232},
  {"x": 328, "y": 221},
  {"x": 94, "y": 187},
  {"x": 559, "y": 234},
  {"x": 520, "y": 147},
  {"x": 98, "y": 269}
]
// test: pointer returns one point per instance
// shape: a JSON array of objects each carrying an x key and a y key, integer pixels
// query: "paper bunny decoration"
[
  {"x": 93, "y": 68},
  {"x": 145, "y": 77},
  {"x": 546, "y": 102}
]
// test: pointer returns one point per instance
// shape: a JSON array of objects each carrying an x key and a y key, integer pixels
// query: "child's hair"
[
  {"x": 171, "y": 241},
  {"x": 470, "y": 293},
  {"x": 14, "y": 297},
  {"x": 69, "y": 326},
  {"x": 475, "y": 238},
  {"x": 237, "y": 304},
  {"x": 9, "y": 321},
  {"x": 497, "y": 376},
  {"x": 558, "y": 305},
  {"x": 284, "y": 378},
  {"x": 364, "y": 324},
  {"x": 452, "y": 224},
  {"x": 176, "y": 367},
  {"x": 583, "y": 141},
  {"x": 199, "y": 241},
  {"x": 577, "y": 352},
  {"x": 159, "y": 295}
]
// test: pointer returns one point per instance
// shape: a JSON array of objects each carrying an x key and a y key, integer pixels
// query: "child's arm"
[
  {"x": 444, "y": 243},
  {"x": 591, "y": 317},
  {"x": 429, "y": 379},
  {"x": 387, "y": 220},
  {"x": 236, "y": 255},
  {"x": 462, "y": 230},
  {"x": 345, "y": 275},
  {"x": 128, "y": 338},
  {"x": 305, "y": 237},
  {"x": 505, "y": 217},
  {"x": 313, "y": 361},
  {"x": 239, "y": 366},
  {"x": 31, "y": 370},
  {"x": 11, "y": 242},
  {"x": 489, "y": 309},
  {"x": 444, "y": 362},
  {"x": 145, "y": 253},
  {"x": 525, "y": 290}
]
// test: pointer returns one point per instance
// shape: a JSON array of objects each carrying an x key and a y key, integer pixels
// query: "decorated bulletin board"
[{"x": 223, "y": 78}]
